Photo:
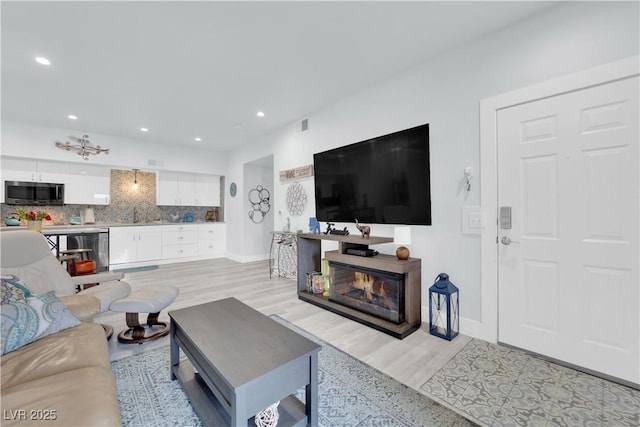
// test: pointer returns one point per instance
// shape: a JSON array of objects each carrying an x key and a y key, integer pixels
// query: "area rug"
[
  {"x": 351, "y": 393},
  {"x": 501, "y": 386}
]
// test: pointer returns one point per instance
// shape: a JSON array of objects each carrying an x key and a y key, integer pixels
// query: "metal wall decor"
[
  {"x": 83, "y": 148},
  {"x": 259, "y": 198},
  {"x": 296, "y": 199}
]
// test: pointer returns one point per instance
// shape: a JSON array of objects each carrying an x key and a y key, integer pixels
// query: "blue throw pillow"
[{"x": 26, "y": 317}]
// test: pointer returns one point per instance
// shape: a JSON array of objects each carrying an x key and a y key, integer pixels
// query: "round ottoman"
[{"x": 150, "y": 299}]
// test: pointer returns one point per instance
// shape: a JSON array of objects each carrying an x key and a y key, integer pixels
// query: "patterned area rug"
[
  {"x": 351, "y": 393},
  {"x": 499, "y": 386}
]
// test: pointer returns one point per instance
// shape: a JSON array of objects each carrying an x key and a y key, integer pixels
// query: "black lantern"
[{"x": 444, "y": 314}]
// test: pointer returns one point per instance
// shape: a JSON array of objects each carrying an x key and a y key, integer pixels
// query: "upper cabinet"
[
  {"x": 88, "y": 184},
  {"x": 207, "y": 190},
  {"x": 84, "y": 184},
  {"x": 181, "y": 189},
  {"x": 34, "y": 171}
]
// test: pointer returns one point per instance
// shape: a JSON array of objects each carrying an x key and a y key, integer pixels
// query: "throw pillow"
[{"x": 26, "y": 317}]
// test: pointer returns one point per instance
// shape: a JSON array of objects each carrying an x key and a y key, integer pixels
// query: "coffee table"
[{"x": 239, "y": 362}]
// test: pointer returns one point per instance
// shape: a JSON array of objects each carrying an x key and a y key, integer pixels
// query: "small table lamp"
[{"x": 402, "y": 236}]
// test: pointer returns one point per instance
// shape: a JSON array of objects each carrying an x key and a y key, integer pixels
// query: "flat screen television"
[{"x": 383, "y": 180}]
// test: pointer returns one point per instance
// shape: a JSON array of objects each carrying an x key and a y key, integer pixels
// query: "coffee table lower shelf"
[{"x": 211, "y": 413}]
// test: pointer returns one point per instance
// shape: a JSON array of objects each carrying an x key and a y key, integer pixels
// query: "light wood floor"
[{"x": 411, "y": 361}]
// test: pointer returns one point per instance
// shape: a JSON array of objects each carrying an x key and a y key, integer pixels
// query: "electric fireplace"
[{"x": 376, "y": 292}]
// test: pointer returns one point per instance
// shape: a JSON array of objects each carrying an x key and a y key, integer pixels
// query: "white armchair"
[{"x": 26, "y": 254}]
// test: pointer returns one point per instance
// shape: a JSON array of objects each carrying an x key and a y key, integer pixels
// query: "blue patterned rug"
[{"x": 351, "y": 393}]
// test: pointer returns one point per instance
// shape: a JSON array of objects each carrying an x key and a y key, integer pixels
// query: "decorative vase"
[{"x": 34, "y": 225}]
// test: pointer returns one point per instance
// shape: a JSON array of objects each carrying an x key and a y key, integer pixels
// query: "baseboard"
[{"x": 468, "y": 327}]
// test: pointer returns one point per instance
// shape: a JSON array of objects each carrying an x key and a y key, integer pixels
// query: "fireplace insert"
[{"x": 379, "y": 293}]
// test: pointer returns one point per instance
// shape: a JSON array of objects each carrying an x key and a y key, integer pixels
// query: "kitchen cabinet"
[
  {"x": 182, "y": 189},
  {"x": 88, "y": 185},
  {"x": 212, "y": 240},
  {"x": 135, "y": 244},
  {"x": 34, "y": 171},
  {"x": 179, "y": 241},
  {"x": 175, "y": 189},
  {"x": 207, "y": 190}
]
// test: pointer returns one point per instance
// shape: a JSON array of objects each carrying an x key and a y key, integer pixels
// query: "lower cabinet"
[
  {"x": 134, "y": 244},
  {"x": 179, "y": 241},
  {"x": 149, "y": 244},
  {"x": 212, "y": 240}
]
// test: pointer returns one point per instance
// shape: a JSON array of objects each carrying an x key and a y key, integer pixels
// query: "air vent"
[{"x": 152, "y": 162}]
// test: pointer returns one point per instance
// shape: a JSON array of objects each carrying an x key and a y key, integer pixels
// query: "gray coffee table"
[{"x": 244, "y": 362}]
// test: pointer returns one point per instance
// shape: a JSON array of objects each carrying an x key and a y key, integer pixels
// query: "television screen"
[{"x": 383, "y": 180}]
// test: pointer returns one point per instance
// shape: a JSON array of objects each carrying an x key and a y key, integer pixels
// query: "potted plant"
[{"x": 33, "y": 218}]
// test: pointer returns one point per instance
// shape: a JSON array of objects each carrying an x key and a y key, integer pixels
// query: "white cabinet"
[
  {"x": 88, "y": 185},
  {"x": 135, "y": 244},
  {"x": 212, "y": 240},
  {"x": 36, "y": 171},
  {"x": 175, "y": 189},
  {"x": 207, "y": 190},
  {"x": 179, "y": 241},
  {"x": 182, "y": 189}
]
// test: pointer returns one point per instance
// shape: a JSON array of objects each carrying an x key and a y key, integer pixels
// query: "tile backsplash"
[{"x": 124, "y": 198}]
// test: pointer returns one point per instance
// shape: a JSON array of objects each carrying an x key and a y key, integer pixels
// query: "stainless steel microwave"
[{"x": 33, "y": 193}]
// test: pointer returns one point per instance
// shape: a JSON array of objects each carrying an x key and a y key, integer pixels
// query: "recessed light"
[
  {"x": 197, "y": 139},
  {"x": 260, "y": 114},
  {"x": 42, "y": 60},
  {"x": 144, "y": 129},
  {"x": 72, "y": 117}
]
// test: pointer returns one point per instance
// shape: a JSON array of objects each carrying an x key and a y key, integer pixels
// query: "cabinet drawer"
[
  {"x": 210, "y": 248},
  {"x": 179, "y": 251},
  {"x": 179, "y": 237},
  {"x": 179, "y": 227}
]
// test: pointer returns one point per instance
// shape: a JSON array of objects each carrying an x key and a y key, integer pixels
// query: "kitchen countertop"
[{"x": 84, "y": 228}]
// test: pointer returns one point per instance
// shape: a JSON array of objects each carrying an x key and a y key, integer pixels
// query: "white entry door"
[{"x": 569, "y": 286}]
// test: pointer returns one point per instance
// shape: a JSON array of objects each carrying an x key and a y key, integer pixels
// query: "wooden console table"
[{"x": 309, "y": 260}]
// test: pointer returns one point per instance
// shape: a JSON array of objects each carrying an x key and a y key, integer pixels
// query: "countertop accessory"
[
  {"x": 188, "y": 217},
  {"x": 89, "y": 216},
  {"x": 75, "y": 220},
  {"x": 83, "y": 148},
  {"x": 12, "y": 221}
]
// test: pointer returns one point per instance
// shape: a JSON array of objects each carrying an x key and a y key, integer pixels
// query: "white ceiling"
[{"x": 187, "y": 69}]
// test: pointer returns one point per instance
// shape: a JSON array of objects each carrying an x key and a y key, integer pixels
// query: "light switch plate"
[{"x": 473, "y": 221}]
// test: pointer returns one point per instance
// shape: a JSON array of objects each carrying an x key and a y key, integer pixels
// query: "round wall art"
[
  {"x": 296, "y": 199},
  {"x": 233, "y": 189},
  {"x": 259, "y": 198}
]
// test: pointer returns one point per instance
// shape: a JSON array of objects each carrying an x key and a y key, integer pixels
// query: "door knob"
[{"x": 507, "y": 240}]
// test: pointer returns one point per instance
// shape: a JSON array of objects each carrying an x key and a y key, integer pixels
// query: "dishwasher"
[{"x": 97, "y": 241}]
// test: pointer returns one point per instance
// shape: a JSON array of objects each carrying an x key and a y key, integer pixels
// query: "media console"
[{"x": 309, "y": 260}]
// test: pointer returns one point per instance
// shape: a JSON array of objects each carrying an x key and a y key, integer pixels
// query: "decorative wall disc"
[
  {"x": 259, "y": 198},
  {"x": 233, "y": 189},
  {"x": 296, "y": 199}
]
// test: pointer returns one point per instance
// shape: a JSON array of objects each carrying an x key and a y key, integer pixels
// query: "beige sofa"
[{"x": 64, "y": 378}]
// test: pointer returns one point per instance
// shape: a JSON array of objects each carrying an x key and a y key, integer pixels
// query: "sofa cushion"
[{"x": 26, "y": 317}]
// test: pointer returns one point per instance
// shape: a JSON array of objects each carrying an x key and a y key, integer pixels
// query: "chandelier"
[{"x": 83, "y": 148}]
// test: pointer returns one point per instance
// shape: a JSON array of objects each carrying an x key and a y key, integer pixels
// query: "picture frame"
[{"x": 211, "y": 216}]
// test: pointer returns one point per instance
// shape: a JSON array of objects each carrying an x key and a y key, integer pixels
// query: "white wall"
[
  {"x": 37, "y": 142},
  {"x": 445, "y": 92}
]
